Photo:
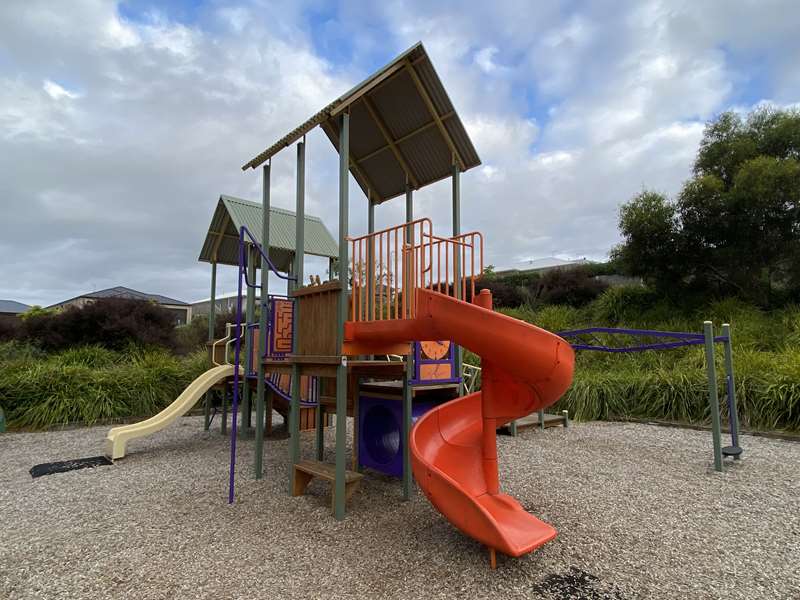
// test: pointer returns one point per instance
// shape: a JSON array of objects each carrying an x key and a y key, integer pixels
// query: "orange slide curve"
[{"x": 453, "y": 446}]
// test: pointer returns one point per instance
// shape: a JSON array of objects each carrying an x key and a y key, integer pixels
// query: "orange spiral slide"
[{"x": 453, "y": 446}]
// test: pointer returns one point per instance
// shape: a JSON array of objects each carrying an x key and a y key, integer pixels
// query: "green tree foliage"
[{"x": 735, "y": 226}]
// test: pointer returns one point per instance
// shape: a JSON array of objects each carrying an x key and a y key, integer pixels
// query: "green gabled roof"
[{"x": 222, "y": 240}]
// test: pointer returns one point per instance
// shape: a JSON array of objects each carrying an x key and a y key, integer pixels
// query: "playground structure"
[
  {"x": 399, "y": 292},
  {"x": 396, "y": 287}
]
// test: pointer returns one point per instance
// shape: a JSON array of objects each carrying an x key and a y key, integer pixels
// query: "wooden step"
[
  {"x": 325, "y": 470},
  {"x": 305, "y": 470}
]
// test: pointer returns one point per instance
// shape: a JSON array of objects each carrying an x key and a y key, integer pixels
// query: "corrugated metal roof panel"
[
  {"x": 402, "y": 109},
  {"x": 389, "y": 175},
  {"x": 410, "y": 101},
  {"x": 459, "y": 135},
  {"x": 233, "y": 213},
  {"x": 433, "y": 85},
  {"x": 365, "y": 137},
  {"x": 428, "y": 155}
]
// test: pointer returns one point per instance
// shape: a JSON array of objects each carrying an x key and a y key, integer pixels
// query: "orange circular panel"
[{"x": 435, "y": 350}]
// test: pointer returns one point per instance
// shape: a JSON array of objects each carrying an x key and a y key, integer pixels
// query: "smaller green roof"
[{"x": 222, "y": 240}]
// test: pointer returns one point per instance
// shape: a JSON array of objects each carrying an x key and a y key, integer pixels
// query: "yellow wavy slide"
[{"x": 118, "y": 437}]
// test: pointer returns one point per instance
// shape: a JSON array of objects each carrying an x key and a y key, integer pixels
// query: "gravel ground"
[{"x": 640, "y": 514}]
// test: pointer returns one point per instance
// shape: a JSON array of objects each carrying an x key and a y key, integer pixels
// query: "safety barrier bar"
[{"x": 388, "y": 266}]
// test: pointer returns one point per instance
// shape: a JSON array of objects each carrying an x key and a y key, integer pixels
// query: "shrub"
[
  {"x": 504, "y": 294},
  {"x": 112, "y": 323},
  {"x": 89, "y": 384},
  {"x": 573, "y": 286},
  {"x": 10, "y": 329},
  {"x": 623, "y": 304}
]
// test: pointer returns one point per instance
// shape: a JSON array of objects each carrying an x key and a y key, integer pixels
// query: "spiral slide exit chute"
[{"x": 453, "y": 446}]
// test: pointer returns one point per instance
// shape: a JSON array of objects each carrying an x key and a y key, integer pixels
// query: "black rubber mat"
[{"x": 69, "y": 465}]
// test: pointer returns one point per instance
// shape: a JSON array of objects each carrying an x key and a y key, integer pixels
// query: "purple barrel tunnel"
[{"x": 380, "y": 422}]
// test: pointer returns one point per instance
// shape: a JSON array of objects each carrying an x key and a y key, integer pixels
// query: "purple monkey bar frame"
[{"x": 243, "y": 234}]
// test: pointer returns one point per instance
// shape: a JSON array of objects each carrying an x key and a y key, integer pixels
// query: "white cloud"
[
  {"x": 56, "y": 92},
  {"x": 117, "y": 135},
  {"x": 484, "y": 58}
]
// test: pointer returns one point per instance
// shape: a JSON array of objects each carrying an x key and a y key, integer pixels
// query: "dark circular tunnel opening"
[{"x": 381, "y": 434}]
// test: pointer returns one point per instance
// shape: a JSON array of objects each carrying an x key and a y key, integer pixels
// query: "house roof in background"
[
  {"x": 217, "y": 298},
  {"x": 13, "y": 307},
  {"x": 549, "y": 262},
  {"x": 222, "y": 239},
  {"x": 404, "y": 130},
  {"x": 127, "y": 293}
]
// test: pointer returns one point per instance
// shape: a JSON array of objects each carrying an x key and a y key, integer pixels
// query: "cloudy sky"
[{"x": 122, "y": 122}]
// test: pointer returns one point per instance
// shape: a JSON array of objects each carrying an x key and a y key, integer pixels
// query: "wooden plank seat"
[{"x": 305, "y": 470}]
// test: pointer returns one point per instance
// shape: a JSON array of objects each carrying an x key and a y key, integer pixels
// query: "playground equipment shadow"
[{"x": 639, "y": 510}]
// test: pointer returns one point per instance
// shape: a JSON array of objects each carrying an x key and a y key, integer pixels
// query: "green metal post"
[
  {"x": 512, "y": 428},
  {"x": 262, "y": 323},
  {"x": 407, "y": 394},
  {"x": 341, "y": 370},
  {"x": 211, "y": 314},
  {"x": 250, "y": 310},
  {"x": 299, "y": 256},
  {"x": 733, "y": 413},
  {"x": 407, "y": 400},
  {"x": 541, "y": 420},
  {"x": 711, "y": 369},
  {"x": 458, "y": 355}
]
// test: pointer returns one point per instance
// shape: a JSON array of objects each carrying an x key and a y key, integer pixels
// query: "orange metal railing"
[{"x": 388, "y": 266}]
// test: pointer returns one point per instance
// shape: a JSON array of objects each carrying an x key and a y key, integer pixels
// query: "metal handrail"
[
  {"x": 469, "y": 374},
  {"x": 270, "y": 264}
]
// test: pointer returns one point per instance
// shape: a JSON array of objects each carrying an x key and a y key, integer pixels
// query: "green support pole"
[
  {"x": 733, "y": 412},
  {"x": 541, "y": 420},
  {"x": 341, "y": 370},
  {"x": 407, "y": 400},
  {"x": 299, "y": 255},
  {"x": 407, "y": 396},
  {"x": 250, "y": 310},
  {"x": 711, "y": 369},
  {"x": 211, "y": 314},
  {"x": 457, "y": 354},
  {"x": 262, "y": 324}
]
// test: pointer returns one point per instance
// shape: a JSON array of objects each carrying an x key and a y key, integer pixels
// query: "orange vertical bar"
[
  {"x": 361, "y": 267},
  {"x": 362, "y": 271},
  {"x": 356, "y": 280},
  {"x": 402, "y": 281},
  {"x": 344, "y": 278},
  {"x": 379, "y": 290},
  {"x": 412, "y": 275},
  {"x": 463, "y": 268},
  {"x": 447, "y": 268},
  {"x": 472, "y": 261}
]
